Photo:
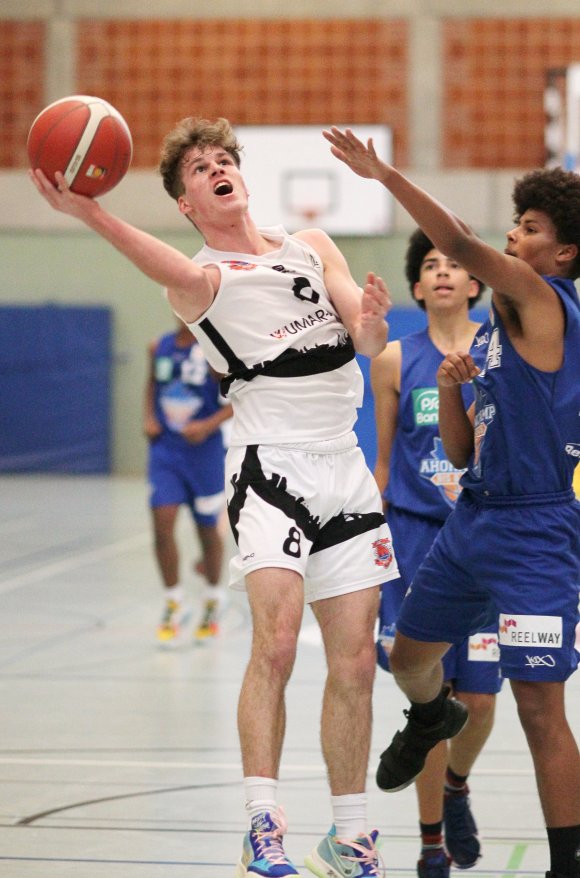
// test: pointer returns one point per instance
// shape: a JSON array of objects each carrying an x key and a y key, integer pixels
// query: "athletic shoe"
[
  {"x": 208, "y": 624},
  {"x": 263, "y": 853},
  {"x": 460, "y": 830},
  {"x": 404, "y": 758},
  {"x": 170, "y": 629},
  {"x": 434, "y": 864},
  {"x": 335, "y": 858}
]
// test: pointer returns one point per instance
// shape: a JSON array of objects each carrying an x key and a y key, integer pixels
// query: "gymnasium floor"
[{"x": 118, "y": 760}]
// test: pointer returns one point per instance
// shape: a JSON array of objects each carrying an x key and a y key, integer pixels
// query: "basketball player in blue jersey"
[
  {"x": 421, "y": 487},
  {"x": 511, "y": 548},
  {"x": 281, "y": 317},
  {"x": 183, "y": 418}
]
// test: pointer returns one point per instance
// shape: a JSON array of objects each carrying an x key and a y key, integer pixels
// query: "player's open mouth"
[{"x": 223, "y": 188}]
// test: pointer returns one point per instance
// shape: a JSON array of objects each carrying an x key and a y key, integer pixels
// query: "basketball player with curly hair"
[{"x": 511, "y": 547}]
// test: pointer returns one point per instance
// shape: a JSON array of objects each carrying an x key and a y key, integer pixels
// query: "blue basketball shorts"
[
  {"x": 191, "y": 476},
  {"x": 471, "y": 665},
  {"x": 518, "y": 565}
]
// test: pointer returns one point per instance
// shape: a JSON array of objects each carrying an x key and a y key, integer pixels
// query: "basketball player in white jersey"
[{"x": 281, "y": 317}]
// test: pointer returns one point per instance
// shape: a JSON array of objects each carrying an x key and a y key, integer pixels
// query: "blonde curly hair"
[{"x": 193, "y": 132}]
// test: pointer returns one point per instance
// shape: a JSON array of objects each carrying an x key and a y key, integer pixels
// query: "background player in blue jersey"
[
  {"x": 420, "y": 487},
  {"x": 183, "y": 418},
  {"x": 512, "y": 545}
]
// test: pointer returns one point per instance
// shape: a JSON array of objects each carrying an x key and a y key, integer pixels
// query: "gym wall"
[{"x": 460, "y": 83}]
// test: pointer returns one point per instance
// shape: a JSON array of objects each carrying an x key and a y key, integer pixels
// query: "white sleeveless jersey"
[{"x": 272, "y": 331}]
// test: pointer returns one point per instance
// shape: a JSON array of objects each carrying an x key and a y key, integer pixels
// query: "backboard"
[{"x": 294, "y": 179}]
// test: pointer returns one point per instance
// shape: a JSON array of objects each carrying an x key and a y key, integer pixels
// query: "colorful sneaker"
[
  {"x": 170, "y": 629},
  {"x": 335, "y": 858},
  {"x": 208, "y": 624},
  {"x": 434, "y": 864},
  {"x": 404, "y": 758},
  {"x": 263, "y": 853},
  {"x": 460, "y": 830}
]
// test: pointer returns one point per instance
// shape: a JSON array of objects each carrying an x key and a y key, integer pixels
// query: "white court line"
[
  {"x": 75, "y": 561},
  {"x": 226, "y": 766}
]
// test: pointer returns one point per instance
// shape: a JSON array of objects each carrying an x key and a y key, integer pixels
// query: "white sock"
[
  {"x": 175, "y": 593},
  {"x": 350, "y": 815},
  {"x": 214, "y": 593},
  {"x": 261, "y": 793}
]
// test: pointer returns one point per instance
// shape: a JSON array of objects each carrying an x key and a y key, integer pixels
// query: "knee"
[
  {"x": 539, "y": 716},
  {"x": 481, "y": 706},
  {"x": 407, "y": 660},
  {"x": 354, "y": 668},
  {"x": 277, "y": 652}
]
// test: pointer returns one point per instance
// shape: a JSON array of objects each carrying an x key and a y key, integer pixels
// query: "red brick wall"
[
  {"x": 299, "y": 71},
  {"x": 21, "y": 86},
  {"x": 494, "y": 76},
  {"x": 250, "y": 71}
]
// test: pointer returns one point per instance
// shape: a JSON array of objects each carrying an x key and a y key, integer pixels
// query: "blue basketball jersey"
[
  {"x": 527, "y": 422},
  {"x": 422, "y": 480},
  {"x": 185, "y": 389}
]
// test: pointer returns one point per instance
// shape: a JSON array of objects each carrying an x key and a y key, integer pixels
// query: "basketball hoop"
[{"x": 309, "y": 213}]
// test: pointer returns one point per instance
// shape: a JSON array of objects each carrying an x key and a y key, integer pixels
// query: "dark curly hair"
[
  {"x": 418, "y": 247},
  {"x": 190, "y": 132},
  {"x": 556, "y": 193}
]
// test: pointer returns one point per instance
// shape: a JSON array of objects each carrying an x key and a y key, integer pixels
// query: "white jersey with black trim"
[{"x": 273, "y": 332}]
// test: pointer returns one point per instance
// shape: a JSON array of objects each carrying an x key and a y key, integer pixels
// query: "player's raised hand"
[
  {"x": 361, "y": 159},
  {"x": 456, "y": 368},
  {"x": 61, "y": 197},
  {"x": 376, "y": 301}
]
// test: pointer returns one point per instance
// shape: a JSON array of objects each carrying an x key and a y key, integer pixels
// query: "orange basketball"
[{"x": 86, "y": 139}]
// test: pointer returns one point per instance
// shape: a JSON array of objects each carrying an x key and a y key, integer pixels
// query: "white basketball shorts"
[{"x": 317, "y": 512}]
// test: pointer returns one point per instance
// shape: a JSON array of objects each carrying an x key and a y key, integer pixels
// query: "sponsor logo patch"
[
  {"x": 239, "y": 265},
  {"x": 483, "y": 647},
  {"x": 425, "y": 406},
  {"x": 321, "y": 315},
  {"x": 540, "y": 661},
  {"x": 383, "y": 552},
  {"x": 526, "y": 631}
]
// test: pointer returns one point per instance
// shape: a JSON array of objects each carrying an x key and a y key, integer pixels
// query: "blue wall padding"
[{"x": 55, "y": 377}]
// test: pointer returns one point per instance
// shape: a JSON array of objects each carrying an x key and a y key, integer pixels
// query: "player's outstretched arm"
[
  {"x": 189, "y": 284},
  {"x": 455, "y": 424},
  {"x": 385, "y": 374},
  {"x": 449, "y": 234},
  {"x": 362, "y": 312}
]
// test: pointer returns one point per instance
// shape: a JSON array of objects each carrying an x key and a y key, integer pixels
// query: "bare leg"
[
  {"x": 429, "y": 785},
  {"x": 468, "y": 744},
  {"x": 553, "y": 748},
  {"x": 417, "y": 668},
  {"x": 166, "y": 552},
  {"x": 347, "y": 625},
  {"x": 276, "y": 599},
  {"x": 212, "y": 545}
]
